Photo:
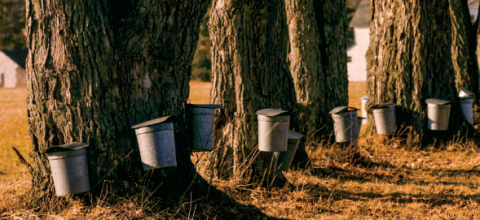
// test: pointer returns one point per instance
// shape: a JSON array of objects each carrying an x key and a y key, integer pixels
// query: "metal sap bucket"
[
  {"x": 345, "y": 123},
  {"x": 156, "y": 141},
  {"x": 384, "y": 115},
  {"x": 467, "y": 108},
  {"x": 200, "y": 125},
  {"x": 284, "y": 159},
  {"x": 273, "y": 129},
  {"x": 363, "y": 99},
  {"x": 438, "y": 114},
  {"x": 466, "y": 101},
  {"x": 69, "y": 167}
]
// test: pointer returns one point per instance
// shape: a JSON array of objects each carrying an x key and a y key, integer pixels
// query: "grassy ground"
[
  {"x": 378, "y": 179},
  {"x": 14, "y": 177},
  {"x": 355, "y": 91},
  {"x": 199, "y": 92}
]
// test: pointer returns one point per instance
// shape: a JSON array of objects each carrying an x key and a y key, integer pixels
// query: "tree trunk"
[
  {"x": 95, "y": 68},
  {"x": 318, "y": 62},
  {"x": 464, "y": 44},
  {"x": 249, "y": 73},
  {"x": 409, "y": 61}
]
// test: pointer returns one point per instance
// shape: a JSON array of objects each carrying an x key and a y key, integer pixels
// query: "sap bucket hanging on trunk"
[
  {"x": 200, "y": 125},
  {"x": 345, "y": 123},
  {"x": 156, "y": 141},
  {"x": 438, "y": 113},
  {"x": 466, "y": 101},
  {"x": 69, "y": 167},
  {"x": 467, "y": 108},
  {"x": 284, "y": 159},
  {"x": 363, "y": 99},
  {"x": 273, "y": 129},
  {"x": 385, "y": 119}
]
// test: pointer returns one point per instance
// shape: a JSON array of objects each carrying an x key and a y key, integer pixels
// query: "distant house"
[
  {"x": 473, "y": 8},
  {"x": 357, "y": 65},
  {"x": 12, "y": 68}
]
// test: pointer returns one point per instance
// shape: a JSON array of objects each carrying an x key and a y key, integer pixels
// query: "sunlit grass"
[
  {"x": 14, "y": 176},
  {"x": 199, "y": 92},
  {"x": 13, "y": 130},
  {"x": 355, "y": 91}
]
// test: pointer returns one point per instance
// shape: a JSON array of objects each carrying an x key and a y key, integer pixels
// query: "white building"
[
  {"x": 473, "y": 8},
  {"x": 357, "y": 65},
  {"x": 12, "y": 68}
]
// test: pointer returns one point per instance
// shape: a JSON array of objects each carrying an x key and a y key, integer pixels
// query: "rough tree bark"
[
  {"x": 464, "y": 44},
  {"x": 95, "y": 68},
  {"x": 409, "y": 60},
  {"x": 249, "y": 73},
  {"x": 318, "y": 62}
]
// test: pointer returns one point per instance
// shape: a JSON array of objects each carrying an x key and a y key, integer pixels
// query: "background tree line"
[{"x": 12, "y": 24}]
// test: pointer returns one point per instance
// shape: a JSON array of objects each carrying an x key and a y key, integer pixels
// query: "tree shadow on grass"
[
  {"x": 434, "y": 199},
  {"x": 185, "y": 200},
  {"x": 397, "y": 175}
]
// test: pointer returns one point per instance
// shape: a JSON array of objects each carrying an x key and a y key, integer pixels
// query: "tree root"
[{"x": 23, "y": 161}]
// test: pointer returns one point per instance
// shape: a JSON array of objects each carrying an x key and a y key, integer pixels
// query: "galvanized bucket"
[
  {"x": 284, "y": 159},
  {"x": 273, "y": 129},
  {"x": 384, "y": 115},
  {"x": 466, "y": 101},
  {"x": 69, "y": 167},
  {"x": 345, "y": 123},
  {"x": 200, "y": 125},
  {"x": 438, "y": 114},
  {"x": 363, "y": 99},
  {"x": 467, "y": 108},
  {"x": 464, "y": 92},
  {"x": 156, "y": 141}
]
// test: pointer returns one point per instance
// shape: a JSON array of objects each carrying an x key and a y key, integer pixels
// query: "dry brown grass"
[
  {"x": 13, "y": 130},
  {"x": 355, "y": 91},
  {"x": 199, "y": 92},
  {"x": 378, "y": 179},
  {"x": 14, "y": 177}
]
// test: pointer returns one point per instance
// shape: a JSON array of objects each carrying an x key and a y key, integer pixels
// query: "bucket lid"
[
  {"x": 204, "y": 106},
  {"x": 66, "y": 147},
  {"x": 169, "y": 118},
  {"x": 437, "y": 101},
  {"x": 342, "y": 109},
  {"x": 464, "y": 92},
  {"x": 271, "y": 112},
  {"x": 383, "y": 105},
  {"x": 365, "y": 97},
  {"x": 294, "y": 135}
]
